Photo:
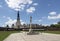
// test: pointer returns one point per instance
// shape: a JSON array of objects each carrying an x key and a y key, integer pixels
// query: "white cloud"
[
  {"x": 18, "y": 4},
  {"x": 52, "y": 13},
  {"x": 45, "y": 24},
  {"x": 3, "y": 25},
  {"x": 4, "y": 16},
  {"x": 11, "y": 21},
  {"x": 55, "y": 23},
  {"x": 35, "y": 4},
  {"x": 0, "y": 5},
  {"x": 44, "y": 17},
  {"x": 38, "y": 20},
  {"x": 54, "y": 17},
  {"x": 22, "y": 22},
  {"x": 29, "y": 1},
  {"x": 31, "y": 10},
  {"x": 49, "y": 4}
]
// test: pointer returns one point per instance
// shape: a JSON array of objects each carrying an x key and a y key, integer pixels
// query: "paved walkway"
[{"x": 39, "y": 37}]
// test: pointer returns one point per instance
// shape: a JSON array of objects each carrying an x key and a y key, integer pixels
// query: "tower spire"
[
  {"x": 18, "y": 24},
  {"x": 18, "y": 17}
]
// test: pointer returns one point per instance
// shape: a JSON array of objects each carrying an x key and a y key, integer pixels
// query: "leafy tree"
[
  {"x": 7, "y": 26},
  {"x": 59, "y": 22},
  {"x": 12, "y": 25},
  {"x": 24, "y": 25},
  {"x": 52, "y": 25},
  {"x": 57, "y": 25}
]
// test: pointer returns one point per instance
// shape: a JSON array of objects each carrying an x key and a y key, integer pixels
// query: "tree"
[
  {"x": 24, "y": 25},
  {"x": 52, "y": 25},
  {"x": 12, "y": 25},
  {"x": 7, "y": 26},
  {"x": 57, "y": 25},
  {"x": 59, "y": 22}
]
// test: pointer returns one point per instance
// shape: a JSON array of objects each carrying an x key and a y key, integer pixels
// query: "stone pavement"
[{"x": 39, "y": 37}]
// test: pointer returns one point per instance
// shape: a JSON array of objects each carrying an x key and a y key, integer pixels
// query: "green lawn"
[
  {"x": 53, "y": 32},
  {"x": 4, "y": 34}
]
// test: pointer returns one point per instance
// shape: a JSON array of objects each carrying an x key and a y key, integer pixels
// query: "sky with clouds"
[{"x": 43, "y": 12}]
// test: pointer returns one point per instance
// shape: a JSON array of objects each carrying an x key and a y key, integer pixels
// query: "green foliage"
[
  {"x": 53, "y": 32},
  {"x": 59, "y": 22},
  {"x": 52, "y": 25},
  {"x": 4, "y": 34},
  {"x": 55, "y": 25},
  {"x": 7, "y": 26}
]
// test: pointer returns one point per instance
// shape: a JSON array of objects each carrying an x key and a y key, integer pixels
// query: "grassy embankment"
[
  {"x": 4, "y": 34},
  {"x": 53, "y": 32}
]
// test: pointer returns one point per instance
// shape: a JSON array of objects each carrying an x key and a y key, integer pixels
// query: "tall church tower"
[{"x": 18, "y": 23}]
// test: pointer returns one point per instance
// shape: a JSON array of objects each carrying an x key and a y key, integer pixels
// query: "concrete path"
[{"x": 39, "y": 37}]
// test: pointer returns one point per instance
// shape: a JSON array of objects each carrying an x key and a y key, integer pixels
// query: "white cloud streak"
[
  {"x": 55, "y": 23},
  {"x": 18, "y": 4},
  {"x": 45, "y": 24},
  {"x": 4, "y": 16},
  {"x": 49, "y": 4},
  {"x": 31, "y": 10},
  {"x": 54, "y": 15},
  {"x": 12, "y": 21},
  {"x": 0, "y": 6},
  {"x": 35, "y": 4},
  {"x": 38, "y": 20}
]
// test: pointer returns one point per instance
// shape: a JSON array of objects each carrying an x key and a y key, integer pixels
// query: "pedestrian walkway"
[{"x": 39, "y": 37}]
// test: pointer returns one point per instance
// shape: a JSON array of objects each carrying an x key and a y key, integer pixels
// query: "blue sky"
[{"x": 43, "y": 12}]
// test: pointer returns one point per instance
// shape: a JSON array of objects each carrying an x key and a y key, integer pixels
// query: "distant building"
[{"x": 18, "y": 23}]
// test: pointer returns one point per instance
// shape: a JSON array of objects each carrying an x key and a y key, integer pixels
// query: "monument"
[
  {"x": 31, "y": 32},
  {"x": 18, "y": 23}
]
